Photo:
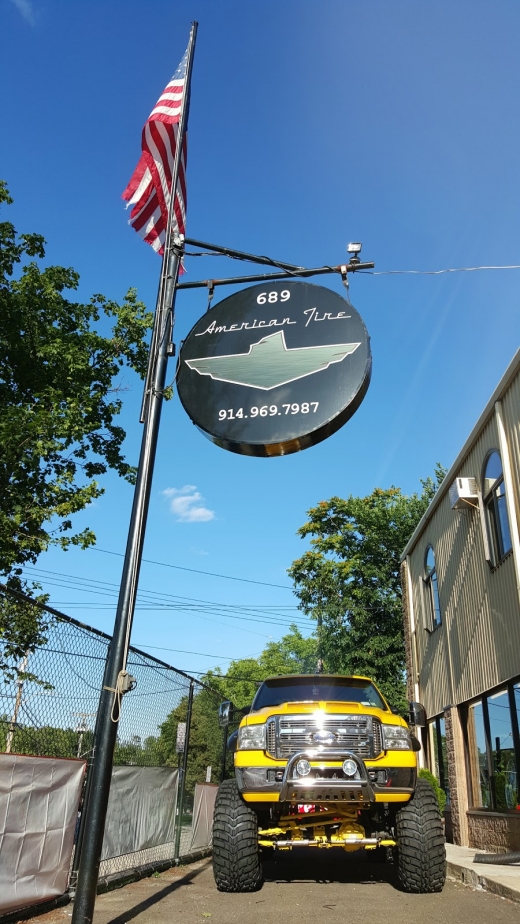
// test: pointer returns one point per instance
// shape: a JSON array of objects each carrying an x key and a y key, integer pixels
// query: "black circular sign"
[{"x": 275, "y": 368}]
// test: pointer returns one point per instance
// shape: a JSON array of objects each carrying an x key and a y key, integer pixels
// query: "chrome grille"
[
  {"x": 358, "y": 733},
  {"x": 271, "y": 736}
]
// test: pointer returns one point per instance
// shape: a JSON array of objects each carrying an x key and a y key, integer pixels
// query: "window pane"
[
  {"x": 433, "y": 740},
  {"x": 493, "y": 471},
  {"x": 493, "y": 529},
  {"x": 503, "y": 521},
  {"x": 435, "y": 600},
  {"x": 478, "y": 759},
  {"x": 444, "y": 779},
  {"x": 502, "y": 746},
  {"x": 429, "y": 561}
]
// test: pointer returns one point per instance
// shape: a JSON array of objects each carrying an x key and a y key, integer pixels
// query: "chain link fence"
[{"x": 48, "y": 705}]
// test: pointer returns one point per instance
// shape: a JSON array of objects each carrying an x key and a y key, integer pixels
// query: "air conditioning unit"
[{"x": 463, "y": 493}]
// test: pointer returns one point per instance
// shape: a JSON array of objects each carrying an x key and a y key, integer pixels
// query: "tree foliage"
[
  {"x": 206, "y": 738},
  {"x": 349, "y": 581},
  {"x": 293, "y": 654},
  {"x": 23, "y": 628},
  {"x": 58, "y": 397}
]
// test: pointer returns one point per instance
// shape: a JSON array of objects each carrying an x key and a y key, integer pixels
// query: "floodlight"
[{"x": 354, "y": 247}]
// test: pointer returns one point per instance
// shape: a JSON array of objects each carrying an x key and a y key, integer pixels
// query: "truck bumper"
[{"x": 326, "y": 782}]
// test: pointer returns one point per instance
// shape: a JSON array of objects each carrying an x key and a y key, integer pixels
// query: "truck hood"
[{"x": 324, "y": 708}]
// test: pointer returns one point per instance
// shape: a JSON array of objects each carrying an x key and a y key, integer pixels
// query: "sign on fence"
[{"x": 181, "y": 737}]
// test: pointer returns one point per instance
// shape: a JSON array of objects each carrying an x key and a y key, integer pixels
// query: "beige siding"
[
  {"x": 478, "y": 644},
  {"x": 511, "y": 411}
]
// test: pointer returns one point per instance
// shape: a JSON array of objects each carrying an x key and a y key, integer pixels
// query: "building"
[{"x": 461, "y": 602}]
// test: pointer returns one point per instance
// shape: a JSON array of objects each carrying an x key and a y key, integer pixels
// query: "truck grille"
[{"x": 358, "y": 733}]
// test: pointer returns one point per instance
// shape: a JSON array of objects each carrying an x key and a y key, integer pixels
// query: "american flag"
[{"x": 149, "y": 190}]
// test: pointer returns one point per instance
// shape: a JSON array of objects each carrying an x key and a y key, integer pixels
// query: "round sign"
[{"x": 275, "y": 368}]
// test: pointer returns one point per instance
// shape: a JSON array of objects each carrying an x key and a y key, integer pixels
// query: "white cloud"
[
  {"x": 26, "y": 9},
  {"x": 187, "y": 505}
]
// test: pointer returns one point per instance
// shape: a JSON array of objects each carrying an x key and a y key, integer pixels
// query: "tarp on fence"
[
  {"x": 203, "y": 807},
  {"x": 141, "y": 809},
  {"x": 39, "y": 799}
]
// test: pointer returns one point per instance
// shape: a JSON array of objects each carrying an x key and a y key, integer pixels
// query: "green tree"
[
  {"x": 293, "y": 654},
  {"x": 349, "y": 581},
  {"x": 45, "y": 740},
  {"x": 206, "y": 738},
  {"x": 60, "y": 394},
  {"x": 23, "y": 627}
]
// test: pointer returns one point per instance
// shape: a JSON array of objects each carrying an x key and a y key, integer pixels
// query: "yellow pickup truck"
[{"x": 322, "y": 761}]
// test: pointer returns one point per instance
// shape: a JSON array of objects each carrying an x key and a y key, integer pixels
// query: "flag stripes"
[{"x": 149, "y": 190}]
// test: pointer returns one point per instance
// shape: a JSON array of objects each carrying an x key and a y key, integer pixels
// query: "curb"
[{"x": 478, "y": 881}]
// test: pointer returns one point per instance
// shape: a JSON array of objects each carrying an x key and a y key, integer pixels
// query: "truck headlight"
[
  {"x": 251, "y": 737},
  {"x": 396, "y": 738}
]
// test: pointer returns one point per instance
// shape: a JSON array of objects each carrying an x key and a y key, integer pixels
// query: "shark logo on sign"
[{"x": 269, "y": 363}]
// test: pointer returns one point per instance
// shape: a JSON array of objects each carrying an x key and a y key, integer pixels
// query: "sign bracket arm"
[{"x": 266, "y": 277}]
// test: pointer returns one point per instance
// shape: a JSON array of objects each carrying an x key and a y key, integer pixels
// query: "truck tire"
[
  {"x": 420, "y": 842},
  {"x": 236, "y": 855}
]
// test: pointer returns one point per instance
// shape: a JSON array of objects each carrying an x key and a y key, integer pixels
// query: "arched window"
[
  {"x": 433, "y": 605},
  {"x": 497, "y": 521}
]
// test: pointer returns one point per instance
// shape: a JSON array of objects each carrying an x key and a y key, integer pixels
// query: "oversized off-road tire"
[
  {"x": 236, "y": 855},
  {"x": 420, "y": 841}
]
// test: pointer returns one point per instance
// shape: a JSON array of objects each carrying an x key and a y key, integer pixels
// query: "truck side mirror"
[
  {"x": 417, "y": 714},
  {"x": 232, "y": 742},
  {"x": 224, "y": 713}
]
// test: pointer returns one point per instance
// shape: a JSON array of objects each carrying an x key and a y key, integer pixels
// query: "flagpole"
[{"x": 115, "y": 681}]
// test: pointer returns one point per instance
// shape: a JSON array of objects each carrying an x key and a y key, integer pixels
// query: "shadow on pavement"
[
  {"x": 158, "y": 896},
  {"x": 331, "y": 865}
]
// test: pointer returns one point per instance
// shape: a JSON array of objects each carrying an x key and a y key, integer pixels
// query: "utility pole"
[{"x": 81, "y": 728}]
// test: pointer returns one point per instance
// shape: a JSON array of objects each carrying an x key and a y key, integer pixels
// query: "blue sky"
[{"x": 311, "y": 125}]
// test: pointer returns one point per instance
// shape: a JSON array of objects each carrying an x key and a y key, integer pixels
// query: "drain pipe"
[{"x": 499, "y": 859}]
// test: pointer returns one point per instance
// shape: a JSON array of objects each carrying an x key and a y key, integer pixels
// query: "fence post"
[{"x": 182, "y": 781}]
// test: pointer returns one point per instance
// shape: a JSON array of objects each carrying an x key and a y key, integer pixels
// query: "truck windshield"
[{"x": 280, "y": 690}]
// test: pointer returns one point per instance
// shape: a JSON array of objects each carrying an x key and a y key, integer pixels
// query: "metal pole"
[
  {"x": 108, "y": 712},
  {"x": 266, "y": 277},
  {"x": 242, "y": 255},
  {"x": 183, "y": 770},
  {"x": 108, "y": 718}
]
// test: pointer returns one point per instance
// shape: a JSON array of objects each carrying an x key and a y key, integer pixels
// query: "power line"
[
  {"x": 190, "y": 604},
  {"x": 226, "y": 577},
  {"x": 458, "y": 269},
  {"x": 201, "y": 654}
]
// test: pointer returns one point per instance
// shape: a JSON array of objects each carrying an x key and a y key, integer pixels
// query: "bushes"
[{"x": 425, "y": 774}]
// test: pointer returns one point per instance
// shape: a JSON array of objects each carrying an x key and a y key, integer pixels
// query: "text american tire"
[
  {"x": 236, "y": 855},
  {"x": 420, "y": 841}
]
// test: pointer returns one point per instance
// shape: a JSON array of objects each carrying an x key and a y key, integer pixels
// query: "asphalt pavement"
[{"x": 300, "y": 887}]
